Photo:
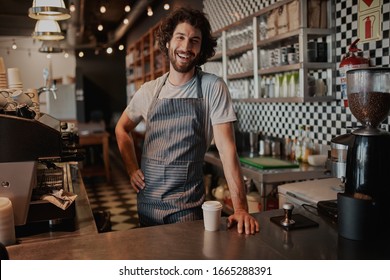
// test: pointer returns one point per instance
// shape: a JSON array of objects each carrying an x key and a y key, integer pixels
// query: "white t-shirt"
[{"x": 218, "y": 104}]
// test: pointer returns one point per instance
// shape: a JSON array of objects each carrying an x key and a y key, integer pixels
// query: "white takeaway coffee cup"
[
  {"x": 7, "y": 224},
  {"x": 212, "y": 215}
]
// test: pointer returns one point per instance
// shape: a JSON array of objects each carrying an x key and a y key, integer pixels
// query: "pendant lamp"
[
  {"x": 46, "y": 29},
  {"x": 51, "y": 47},
  {"x": 49, "y": 9}
]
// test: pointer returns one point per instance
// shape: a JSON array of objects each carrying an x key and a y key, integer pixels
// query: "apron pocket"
[{"x": 164, "y": 182}]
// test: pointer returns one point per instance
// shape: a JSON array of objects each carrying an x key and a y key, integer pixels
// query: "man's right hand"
[{"x": 137, "y": 180}]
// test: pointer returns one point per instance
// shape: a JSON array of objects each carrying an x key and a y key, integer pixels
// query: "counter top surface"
[
  {"x": 184, "y": 241},
  {"x": 190, "y": 241},
  {"x": 303, "y": 172}
]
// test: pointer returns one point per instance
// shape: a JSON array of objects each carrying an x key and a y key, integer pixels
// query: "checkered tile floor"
[{"x": 116, "y": 197}]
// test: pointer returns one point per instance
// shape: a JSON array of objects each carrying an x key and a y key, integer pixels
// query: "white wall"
[{"x": 31, "y": 62}]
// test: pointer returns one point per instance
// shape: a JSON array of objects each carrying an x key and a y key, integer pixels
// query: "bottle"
[
  {"x": 263, "y": 28},
  {"x": 307, "y": 144},
  {"x": 293, "y": 145},
  {"x": 287, "y": 147},
  {"x": 299, "y": 144},
  {"x": 262, "y": 88},
  {"x": 277, "y": 85}
]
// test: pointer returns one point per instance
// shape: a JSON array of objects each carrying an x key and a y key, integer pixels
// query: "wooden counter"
[{"x": 189, "y": 240}]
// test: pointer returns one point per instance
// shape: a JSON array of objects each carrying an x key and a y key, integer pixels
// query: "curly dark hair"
[{"x": 198, "y": 20}]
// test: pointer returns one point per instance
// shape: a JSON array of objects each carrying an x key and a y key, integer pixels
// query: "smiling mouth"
[{"x": 184, "y": 56}]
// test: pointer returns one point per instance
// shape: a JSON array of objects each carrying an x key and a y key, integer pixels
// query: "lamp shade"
[
  {"x": 46, "y": 29},
  {"x": 51, "y": 47},
  {"x": 49, "y": 9}
]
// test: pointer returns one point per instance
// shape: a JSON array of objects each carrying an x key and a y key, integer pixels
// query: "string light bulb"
[
  {"x": 100, "y": 27},
  {"x": 127, "y": 8},
  {"x": 72, "y": 7},
  {"x": 121, "y": 47},
  {"x": 150, "y": 11},
  {"x": 109, "y": 50},
  {"x": 166, "y": 6},
  {"x": 14, "y": 46},
  {"x": 81, "y": 54},
  {"x": 103, "y": 9},
  {"x": 126, "y": 21}
]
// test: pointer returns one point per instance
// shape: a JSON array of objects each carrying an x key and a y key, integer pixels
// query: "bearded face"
[
  {"x": 181, "y": 61},
  {"x": 184, "y": 48}
]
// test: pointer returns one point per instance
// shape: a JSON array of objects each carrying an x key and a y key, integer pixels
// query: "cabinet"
[
  {"x": 259, "y": 66},
  {"x": 144, "y": 61}
]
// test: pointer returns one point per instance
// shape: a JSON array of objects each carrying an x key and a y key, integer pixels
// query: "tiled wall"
[{"x": 327, "y": 119}]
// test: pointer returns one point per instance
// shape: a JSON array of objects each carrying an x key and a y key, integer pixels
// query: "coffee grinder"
[{"x": 364, "y": 207}]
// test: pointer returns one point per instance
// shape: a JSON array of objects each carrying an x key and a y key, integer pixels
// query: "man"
[{"x": 184, "y": 109}]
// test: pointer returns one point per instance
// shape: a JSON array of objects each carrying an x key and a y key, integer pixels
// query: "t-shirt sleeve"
[
  {"x": 138, "y": 106},
  {"x": 221, "y": 105}
]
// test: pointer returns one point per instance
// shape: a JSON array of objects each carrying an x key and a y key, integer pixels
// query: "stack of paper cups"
[
  {"x": 7, "y": 224},
  {"x": 3, "y": 76},
  {"x": 14, "y": 78}
]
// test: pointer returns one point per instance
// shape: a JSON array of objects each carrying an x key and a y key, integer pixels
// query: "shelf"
[
  {"x": 297, "y": 66},
  {"x": 268, "y": 52},
  {"x": 243, "y": 75},
  {"x": 292, "y": 37},
  {"x": 135, "y": 79},
  {"x": 217, "y": 56},
  {"x": 240, "y": 50},
  {"x": 279, "y": 69},
  {"x": 159, "y": 71},
  {"x": 287, "y": 38},
  {"x": 147, "y": 61},
  {"x": 248, "y": 19}
]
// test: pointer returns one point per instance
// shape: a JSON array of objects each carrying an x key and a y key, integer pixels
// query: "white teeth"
[{"x": 183, "y": 56}]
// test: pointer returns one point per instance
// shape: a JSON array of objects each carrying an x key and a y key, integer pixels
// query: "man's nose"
[{"x": 187, "y": 45}]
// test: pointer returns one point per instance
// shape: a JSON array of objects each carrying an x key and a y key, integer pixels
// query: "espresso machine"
[
  {"x": 364, "y": 207},
  {"x": 34, "y": 159}
]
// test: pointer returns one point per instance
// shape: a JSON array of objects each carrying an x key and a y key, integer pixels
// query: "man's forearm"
[
  {"x": 127, "y": 150},
  {"x": 234, "y": 178}
]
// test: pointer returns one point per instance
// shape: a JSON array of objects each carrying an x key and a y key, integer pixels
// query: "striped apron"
[{"x": 172, "y": 160}]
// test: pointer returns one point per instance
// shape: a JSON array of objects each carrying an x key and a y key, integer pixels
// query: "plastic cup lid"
[{"x": 212, "y": 205}]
